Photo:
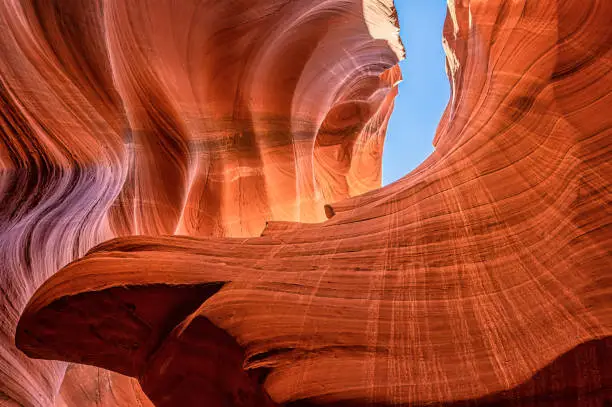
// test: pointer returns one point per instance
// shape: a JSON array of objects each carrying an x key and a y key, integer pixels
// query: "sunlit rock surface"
[
  {"x": 200, "y": 118},
  {"x": 482, "y": 277}
]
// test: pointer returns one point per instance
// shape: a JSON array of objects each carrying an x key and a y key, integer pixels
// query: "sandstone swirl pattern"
[
  {"x": 202, "y": 118},
  {"x": 484, "y": 276}
]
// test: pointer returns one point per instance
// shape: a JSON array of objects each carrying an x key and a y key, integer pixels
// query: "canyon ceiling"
[{"x": 191, "y": 211}]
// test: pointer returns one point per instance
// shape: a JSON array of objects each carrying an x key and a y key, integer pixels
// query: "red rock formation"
[
  {"x": 201, "y": 118},
  {"x": 484, "y": 276}
]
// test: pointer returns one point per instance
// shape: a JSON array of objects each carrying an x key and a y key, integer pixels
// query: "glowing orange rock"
[
  {"x": 484, "y": 276},
  {"x": 203, "y": 118}
]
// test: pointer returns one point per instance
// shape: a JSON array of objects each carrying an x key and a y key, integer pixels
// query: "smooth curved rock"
[
  {"x": 200, "y": 118},
  {"x": 482, "y": 277}
]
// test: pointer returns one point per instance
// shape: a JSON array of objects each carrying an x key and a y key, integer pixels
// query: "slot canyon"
[{"x": 192, "y": 213}]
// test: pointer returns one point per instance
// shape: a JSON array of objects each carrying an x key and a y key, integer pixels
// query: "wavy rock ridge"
[
  {"x": 482, "y": 277},
  {"x": 197, "y": 118}
]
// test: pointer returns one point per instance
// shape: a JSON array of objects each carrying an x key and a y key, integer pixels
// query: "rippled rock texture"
[
  {"x": 200, "y": 118},
  {"x": 482, "y": 277}
]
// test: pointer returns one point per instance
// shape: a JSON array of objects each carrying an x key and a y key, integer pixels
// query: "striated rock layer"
[
  {"x": 201, "y": 118},
  {"x": 482, "y": 277}
]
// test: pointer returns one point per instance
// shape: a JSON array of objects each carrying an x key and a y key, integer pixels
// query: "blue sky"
[{"x": 423, "y": 93}]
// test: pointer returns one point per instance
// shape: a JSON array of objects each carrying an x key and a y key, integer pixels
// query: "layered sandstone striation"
[
  {"x": 482, "y": 277},
  {"x": 200, "y": 118}
]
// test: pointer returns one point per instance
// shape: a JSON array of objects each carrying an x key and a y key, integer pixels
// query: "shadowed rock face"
[
  {"x": 482, "y": 277},
  {"x": 201, "y": 118}
]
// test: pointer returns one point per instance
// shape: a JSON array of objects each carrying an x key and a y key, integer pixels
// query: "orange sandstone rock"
[
  {"x": 482, "y": 277},
  {"x": 201, "y": 118}
]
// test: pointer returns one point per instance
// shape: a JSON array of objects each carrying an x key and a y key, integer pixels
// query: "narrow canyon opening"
[{"x": 424, "y": 91}]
